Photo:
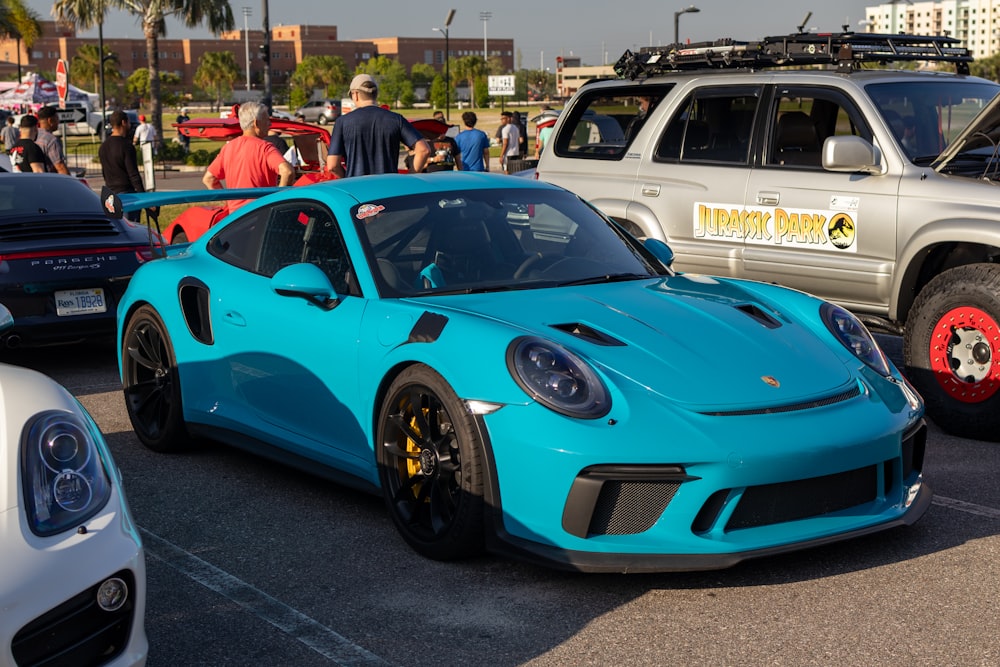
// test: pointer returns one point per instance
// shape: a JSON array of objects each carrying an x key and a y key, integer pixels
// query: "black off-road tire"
[{"x": 951, "y": 350}]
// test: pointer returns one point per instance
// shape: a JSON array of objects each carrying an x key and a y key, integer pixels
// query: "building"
[
  {"x": 289, "y": 45},
  {"x": 975, "y": 22}
]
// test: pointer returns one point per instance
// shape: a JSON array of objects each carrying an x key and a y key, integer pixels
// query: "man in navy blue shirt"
[{"x": 367, "y": 139}]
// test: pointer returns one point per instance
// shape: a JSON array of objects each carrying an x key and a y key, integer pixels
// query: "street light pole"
[
  {"x": 677, "y": 19},
  {"x": 246, "y": 38},
  {"x": 484, "y": 17},
  {"x": 447, "y": 70}
]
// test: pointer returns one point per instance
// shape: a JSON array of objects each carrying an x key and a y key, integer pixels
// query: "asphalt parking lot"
[{"x": 250, "y": 562}]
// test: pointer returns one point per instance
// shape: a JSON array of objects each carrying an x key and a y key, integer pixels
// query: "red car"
[{"x": 311, "y": 141}]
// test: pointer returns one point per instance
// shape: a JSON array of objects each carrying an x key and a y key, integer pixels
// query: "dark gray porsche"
[{"x": 64, "y": 261}]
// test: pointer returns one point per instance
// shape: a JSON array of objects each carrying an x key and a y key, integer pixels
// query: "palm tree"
[
  {"x": 153, "y": 14},
  {"x": 87, "y": 64},
  {"x": 20, "y": 22},
  {"x": 218, "y": 71},
  {"x": 316, "y": 71}
]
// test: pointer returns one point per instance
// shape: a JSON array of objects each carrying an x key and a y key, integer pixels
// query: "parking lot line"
[
  {"x": 963, "y": 506},
  {"x": 297, "y": 625}
]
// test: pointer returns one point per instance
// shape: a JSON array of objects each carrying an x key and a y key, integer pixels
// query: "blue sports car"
[{"x": 514, "y": 373}]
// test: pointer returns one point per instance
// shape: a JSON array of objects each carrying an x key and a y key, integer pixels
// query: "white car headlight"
[
  {"x": 62, "y": 472},
  {"x": 855, "y": 336}
]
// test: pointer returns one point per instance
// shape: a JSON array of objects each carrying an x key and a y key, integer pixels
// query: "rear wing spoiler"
[{"x": 135, "y": 201}]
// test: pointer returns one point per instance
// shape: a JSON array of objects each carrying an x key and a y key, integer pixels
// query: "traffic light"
[{"x": 265, "y": 52}]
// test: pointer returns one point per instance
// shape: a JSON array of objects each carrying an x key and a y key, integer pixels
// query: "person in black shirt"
[
  {"x": 118, "y": 161},
  {"x": 25, "y": 154}
]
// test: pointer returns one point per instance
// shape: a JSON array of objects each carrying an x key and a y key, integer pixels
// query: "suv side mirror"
[{"x": 852, "y": 154}]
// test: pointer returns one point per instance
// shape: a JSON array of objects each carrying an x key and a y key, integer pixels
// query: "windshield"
[
  {"x": 926, "y": 116},
  {"x": 492, "y": 240}
]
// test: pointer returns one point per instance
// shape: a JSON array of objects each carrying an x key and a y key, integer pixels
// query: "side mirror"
[
  {"x": 660, "y": 250},
  {"x": 851, "y": 154},
  {"x": 6, "y": 319},
  {"x": 306, "y": 281}
]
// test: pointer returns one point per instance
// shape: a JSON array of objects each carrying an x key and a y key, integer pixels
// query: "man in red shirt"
[{"x": 248, "y": 161}]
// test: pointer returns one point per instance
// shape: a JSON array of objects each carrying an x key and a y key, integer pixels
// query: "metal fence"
[{"x": 84, "y": 156}]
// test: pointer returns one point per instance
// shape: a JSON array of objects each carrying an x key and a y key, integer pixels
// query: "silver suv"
[{"x": 874, "y": 188}]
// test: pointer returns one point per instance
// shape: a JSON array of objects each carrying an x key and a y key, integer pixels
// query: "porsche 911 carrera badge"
[{"x": 769, "y": 380}]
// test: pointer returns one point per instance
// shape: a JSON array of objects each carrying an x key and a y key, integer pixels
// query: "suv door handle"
[
  {"x": 768, "y": 198},
  {"x": 650, "y": 190}
]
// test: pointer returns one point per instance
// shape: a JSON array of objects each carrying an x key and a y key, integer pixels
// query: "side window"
[
  {"x": 603, "y": 123},
  {"x": 711, "y": 126},
  {"x": 269, "y": 239},
  {"x": 802, "y": 119},
  {"x": 238, "y": 243}
]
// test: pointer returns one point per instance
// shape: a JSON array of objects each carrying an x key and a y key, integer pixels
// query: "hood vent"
[
  {"x": 588, "y": 334},
  {"x": 760, "y": 315}
]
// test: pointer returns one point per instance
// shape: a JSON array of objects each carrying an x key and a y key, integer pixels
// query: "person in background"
[
  {"x": 183, "y": 139},
  {"x": 445, "y": 155},
  {"x": 248, "y": 161},
  {"x": 145, "y": 133},
  {"x": 368, "y": 137},
  {"x": 48, "y": 122},
  {"x": 25, "y": 155},
  {"x": 439, "y": 116},
  {"x": 509, "y": 145},
  {"x": 9, "y": 134},
  {"x": 522, "y": 133},
  {"x": 473, "y": 144},
  {"x": 119, "y": 166}
]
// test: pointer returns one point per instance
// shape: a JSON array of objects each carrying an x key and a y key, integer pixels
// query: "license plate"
[{"x": 80, "y": 302}]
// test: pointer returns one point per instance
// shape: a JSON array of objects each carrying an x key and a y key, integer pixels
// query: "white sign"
[
  {"x": 147, "y": 165},
  {"x": 501, "y": 85}
]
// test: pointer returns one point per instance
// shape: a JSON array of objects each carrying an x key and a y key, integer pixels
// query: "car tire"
[
  {"x": 179, "y": 237},
  {"x": 151, "y": 383},
  {"x": 951, "y": 349},
  {"x": 322, "y": 120},
  {"x": 430, "y": 461}
]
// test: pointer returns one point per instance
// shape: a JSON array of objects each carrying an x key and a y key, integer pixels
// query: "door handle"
[
  {"x": 650, "y": 190},
  {"x": 234, "y": 318},
  {"x": 768, "y": 198}
]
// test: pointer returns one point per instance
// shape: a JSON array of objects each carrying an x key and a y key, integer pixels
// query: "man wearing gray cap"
[{"x": 367, "y": 139}]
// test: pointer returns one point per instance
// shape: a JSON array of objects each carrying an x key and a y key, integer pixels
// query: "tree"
[
  {"x": 21, "y": 23},
  {"x": 438, "y": 97},
  {"x": 217, "y": 72},
  {"x": 218, "y": 15},
  {"x": 393, "y": 83},
  {"x": 326, "y": 72},
  {"x": 86, "y": 65}
]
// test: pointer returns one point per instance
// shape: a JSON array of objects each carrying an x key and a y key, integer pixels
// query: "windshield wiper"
[{"x": 607, "y": 278}]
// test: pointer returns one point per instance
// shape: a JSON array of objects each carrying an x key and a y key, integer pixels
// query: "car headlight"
[
  {"x": 62, "y": 472},
  {"x": 855, "y": 337},
  {"x": 557, "y": 378}
]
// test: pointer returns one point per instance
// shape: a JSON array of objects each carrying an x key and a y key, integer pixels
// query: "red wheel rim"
[{"x": 964, "y": 346}]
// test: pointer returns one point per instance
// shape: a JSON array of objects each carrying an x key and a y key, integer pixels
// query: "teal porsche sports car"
[{"x": 514, "y": 373}]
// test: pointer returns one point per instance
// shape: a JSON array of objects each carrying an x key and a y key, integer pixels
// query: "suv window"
[
  {"x": 926, "y": 118},
  {"x": 604, "y": 123},
  {"x": 802, "y": 118},
  {"x": 713, "y": 124}
]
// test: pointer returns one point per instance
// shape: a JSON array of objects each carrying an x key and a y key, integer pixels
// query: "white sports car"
[{"x": 72, "y": 569}]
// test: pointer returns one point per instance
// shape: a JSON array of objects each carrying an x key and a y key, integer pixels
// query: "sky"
[{"x": 597, "y": 31}]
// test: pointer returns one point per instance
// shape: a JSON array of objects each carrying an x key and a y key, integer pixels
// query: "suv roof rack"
[{"x": 846, "y": 50}]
